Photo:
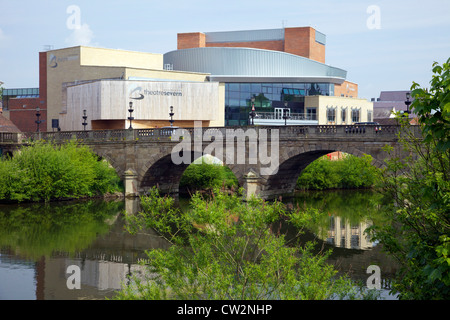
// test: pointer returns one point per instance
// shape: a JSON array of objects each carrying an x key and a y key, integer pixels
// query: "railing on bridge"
[
  {"x": 165, "y": 134},
  {"x": 9, "y": 137}
]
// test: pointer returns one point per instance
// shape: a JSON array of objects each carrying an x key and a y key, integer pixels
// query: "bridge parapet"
[
  {"x": 10, "y": 137},
  {"x": 165, "y": 134}
]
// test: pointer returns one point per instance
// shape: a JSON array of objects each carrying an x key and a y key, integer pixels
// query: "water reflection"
[
  {"x": 342, "y": 229},
  {"x": 38, "y": 242}
]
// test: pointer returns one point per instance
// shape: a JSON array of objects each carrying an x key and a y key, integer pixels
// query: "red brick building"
[
  {"x": 300, "y": 41},
  {"x": 20, "y": 105}
]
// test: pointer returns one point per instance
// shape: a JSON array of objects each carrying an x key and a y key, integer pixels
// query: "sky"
[{"x": 383, "y": 45}]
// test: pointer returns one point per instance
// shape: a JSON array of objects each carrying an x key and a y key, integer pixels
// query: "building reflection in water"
[
  {"x": 105, "y": 266},
  {"x": 344, "y": 234}
]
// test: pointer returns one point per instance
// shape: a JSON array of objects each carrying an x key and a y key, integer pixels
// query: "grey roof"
[
  {"x": 253, "y": 35},
  {"x": 252, "y": 65},
  {"x": 393, "y": 95},
  {"x": 244, "y": 36}
]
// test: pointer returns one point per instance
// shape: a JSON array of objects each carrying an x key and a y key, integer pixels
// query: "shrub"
[
  {"x": 350, "y": 172},
  {"x": 44, "y": 171},
  {"x": 207, "y": 176},
  {"x": 224, "y": 248}
]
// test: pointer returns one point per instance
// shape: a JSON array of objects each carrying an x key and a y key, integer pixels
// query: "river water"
[{"x": 40, "y": 244}]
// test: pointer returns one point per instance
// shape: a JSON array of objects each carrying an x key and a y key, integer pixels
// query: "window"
[
  {"x": 369, "y": 115},
  {"x": 343, "y": 114},
  {"x": 331, "y": 114},
  {"x": 355, "y": 115},
  {"x": 311, "y": 113}
]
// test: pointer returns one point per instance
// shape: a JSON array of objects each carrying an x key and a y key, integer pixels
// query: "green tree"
[
  {"x": 349, "y": 172},
  {"x": 419, "y": 233},
  {"x": 44, "y": 171},
  {"x": 207, "y": 176},
  {"x": 224, "y": 248}
]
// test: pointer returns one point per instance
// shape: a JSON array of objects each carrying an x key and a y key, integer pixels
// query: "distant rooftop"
[
  {"x": 6, "y": 125},
  {"x": 393, "y": 95},
  {"x": 22, "y": 93},
  {"x": 253, "y": 35}
]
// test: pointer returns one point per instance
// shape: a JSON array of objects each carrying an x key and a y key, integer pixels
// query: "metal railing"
[{"x": 292, "y": 116}]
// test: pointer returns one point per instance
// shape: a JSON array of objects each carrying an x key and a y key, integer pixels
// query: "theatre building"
[
  {"x": 281, "y": 69},
  {"x": 216, "y": 77}
]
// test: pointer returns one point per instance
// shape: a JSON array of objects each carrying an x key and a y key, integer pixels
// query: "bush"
[
  {"x": 44, "y": 171},
  {"x": 206, "y": 176},
  {"x": 224, "y": 248},
  {"x": 348, "y": 173}
]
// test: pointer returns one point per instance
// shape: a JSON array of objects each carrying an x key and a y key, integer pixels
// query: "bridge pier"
[
  {"x": 252, "y": 185},
  {"x": 130, "y": 181}
]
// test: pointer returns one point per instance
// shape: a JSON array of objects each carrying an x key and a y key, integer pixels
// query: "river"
[{"x": 41, "y": 243}]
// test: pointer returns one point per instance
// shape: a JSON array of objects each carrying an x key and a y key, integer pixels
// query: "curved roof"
[{"x": 252, "y": 65}]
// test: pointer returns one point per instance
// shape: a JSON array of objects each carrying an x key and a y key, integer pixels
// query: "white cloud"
[
  {"x": 81, "y": 36},
  {"x": 3, "y": 38}
]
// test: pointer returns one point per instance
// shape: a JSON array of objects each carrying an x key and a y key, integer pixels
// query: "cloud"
[
  {"x": 81, "y": 36},
  {"x": 3, "y": 38}
]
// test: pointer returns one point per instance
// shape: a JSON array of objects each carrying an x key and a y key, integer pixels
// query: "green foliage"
[
  {"x": 350, "y": 172},
  {"x": 207, "y": 176},
  {"x": 44, "y": 171},
  {"x": 224, "y": 248},
  {"x": 418, "y": 235},
  {"x": 433, "y": 107}
]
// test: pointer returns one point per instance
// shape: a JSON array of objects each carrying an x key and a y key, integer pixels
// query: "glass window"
[
  {"x": 234, "y": 102},
  {"x": 233, "y": 86},
  {"x": 244, "y": 102},
  {"x": 298, "y": 85},
  {"x": 311, "y": 113},
  {"x": 355, "y": 115},
  {"x": 245, "y": 87},
  {"x": 234, "y": 95},
  {"x": 343, "y": 115},
  {"x": 331, "y": 114},
  {"x": 256, "y": 87},
  {"x": 245, "y": 95}
]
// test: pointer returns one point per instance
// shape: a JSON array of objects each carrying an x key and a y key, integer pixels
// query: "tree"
[
  {"x": 224, "y": 248},
  {"x": 419, "y": 235}
]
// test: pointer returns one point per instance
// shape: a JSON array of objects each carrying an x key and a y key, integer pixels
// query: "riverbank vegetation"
[
  {"x": 225, "y": 248},
  {"x": 206, "y": 175},
  {"x": 44, "y": 171},
  {"x": 419, "y": 233},
  {"x": 350, "y": 172}
]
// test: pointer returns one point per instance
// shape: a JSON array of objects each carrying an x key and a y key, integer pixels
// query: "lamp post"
[
  {"x": 84, "y": 123},
  {"x": 252, "y": 113},
  {"x": 285, "y": 113},
  {"x": 171, "y": 116},
  {"x": 38, "y": 121},
  {"x": 407, "y": 103},
  {"x": 130, "y": 118}
]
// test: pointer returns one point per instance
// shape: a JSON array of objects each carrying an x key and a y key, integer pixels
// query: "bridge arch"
[
  {"x": 112, "y": 161},
  {"x": 164, "y": 173},
  {"x": 295, "y": 160}
]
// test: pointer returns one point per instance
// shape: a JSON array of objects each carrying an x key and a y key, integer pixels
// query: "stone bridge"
[{"x": 266, "y": 160}]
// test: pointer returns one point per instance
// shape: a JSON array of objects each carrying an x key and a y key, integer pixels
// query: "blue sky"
[{"x": 383, "y": 45}]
